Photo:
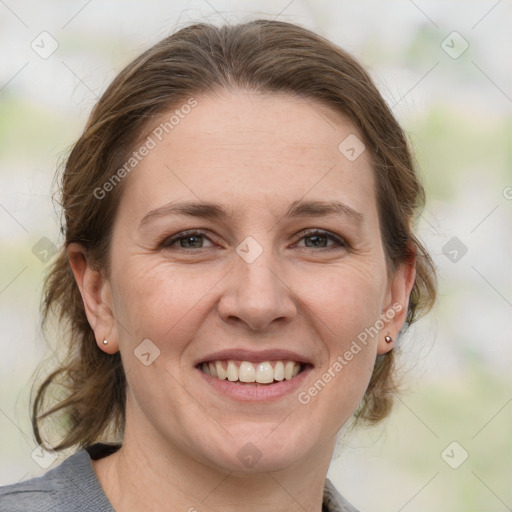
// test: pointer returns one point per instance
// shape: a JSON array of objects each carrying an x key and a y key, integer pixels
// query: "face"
[{"x": 246, "y": 236}]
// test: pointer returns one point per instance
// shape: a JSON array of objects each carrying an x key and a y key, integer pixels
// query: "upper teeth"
[{"x": 244, "y": 371}]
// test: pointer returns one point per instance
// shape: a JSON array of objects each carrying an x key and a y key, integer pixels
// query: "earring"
[
  {"x": 105, "y": 341},
  {"x": 388, "y": 339}
]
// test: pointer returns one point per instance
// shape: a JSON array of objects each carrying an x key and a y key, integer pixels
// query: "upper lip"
[{"x": 255, "y": 356}]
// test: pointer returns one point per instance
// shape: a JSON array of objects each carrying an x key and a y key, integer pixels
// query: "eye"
[
  {"x": 318, "y": 238},
  {"x": 313, "y": 238},
  {"x": 191, "y": 239}
]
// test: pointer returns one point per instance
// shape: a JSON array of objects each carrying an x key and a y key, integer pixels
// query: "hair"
[{"x": 262, "y": 56}]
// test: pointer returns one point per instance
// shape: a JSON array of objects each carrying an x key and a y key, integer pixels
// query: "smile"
[{"x": 246, "y": 372}]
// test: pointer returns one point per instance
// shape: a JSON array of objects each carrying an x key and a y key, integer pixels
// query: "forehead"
[{"x": 241, "y": 148}]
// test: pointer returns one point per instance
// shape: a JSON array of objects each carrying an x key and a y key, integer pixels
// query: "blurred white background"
[{"x": 445, "y": 68}]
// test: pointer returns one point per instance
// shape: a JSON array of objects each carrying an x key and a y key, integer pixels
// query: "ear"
[
  {"x": 96, "y": 294},
  {"x": 394, "y": 313}
]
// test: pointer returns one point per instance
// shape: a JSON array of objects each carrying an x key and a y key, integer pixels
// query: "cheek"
[
  {"x": 161, "y": 301},
  {"x": 345, "y": 300},
  {"x": 345, "y": 307}
]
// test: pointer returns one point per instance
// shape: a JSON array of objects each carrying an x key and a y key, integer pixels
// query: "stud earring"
[
  {"x": 388, "y": 339},
  {"x": 105, "y": 341}
]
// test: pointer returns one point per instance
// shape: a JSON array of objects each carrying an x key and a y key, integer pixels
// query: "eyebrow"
[{"x": 216, "y": 211}]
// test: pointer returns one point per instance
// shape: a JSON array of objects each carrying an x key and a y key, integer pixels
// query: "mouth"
[
  {"x": 262, "y": 373},
  {"x": 262, "y": 376}
]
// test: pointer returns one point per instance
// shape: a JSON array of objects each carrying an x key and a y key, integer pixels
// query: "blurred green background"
[{"x": 454, "y": 102}]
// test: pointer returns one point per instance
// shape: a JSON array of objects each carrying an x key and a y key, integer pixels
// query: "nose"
[{"x": 257, "y": 295}]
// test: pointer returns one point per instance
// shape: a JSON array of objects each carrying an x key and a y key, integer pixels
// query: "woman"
[{"x": 239, "y": 262}]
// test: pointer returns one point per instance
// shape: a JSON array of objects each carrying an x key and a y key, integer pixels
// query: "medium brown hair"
[{"x": 264, "y": 56}]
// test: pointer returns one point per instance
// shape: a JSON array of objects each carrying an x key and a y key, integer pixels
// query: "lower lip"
[{"x": 261, "y": 393}]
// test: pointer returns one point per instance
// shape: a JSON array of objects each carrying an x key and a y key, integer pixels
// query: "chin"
[{"x": 252, "y": 450}]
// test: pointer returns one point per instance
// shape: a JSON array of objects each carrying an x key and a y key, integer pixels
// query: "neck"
[{"x": 147, "y": 469}]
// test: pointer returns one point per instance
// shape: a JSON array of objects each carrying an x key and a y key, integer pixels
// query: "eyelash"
[{"x": 168, "y": 242}]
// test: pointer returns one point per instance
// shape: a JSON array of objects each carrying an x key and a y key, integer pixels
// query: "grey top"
[{"x": 73, "y": 486}]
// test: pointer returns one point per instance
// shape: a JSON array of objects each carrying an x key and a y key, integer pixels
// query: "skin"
[{"x": 255, "y": 154}]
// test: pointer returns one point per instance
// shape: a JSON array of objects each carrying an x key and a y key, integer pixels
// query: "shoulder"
[
  {"x": 333, "y": 501},
  {"x": 69, "y": 487}
]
